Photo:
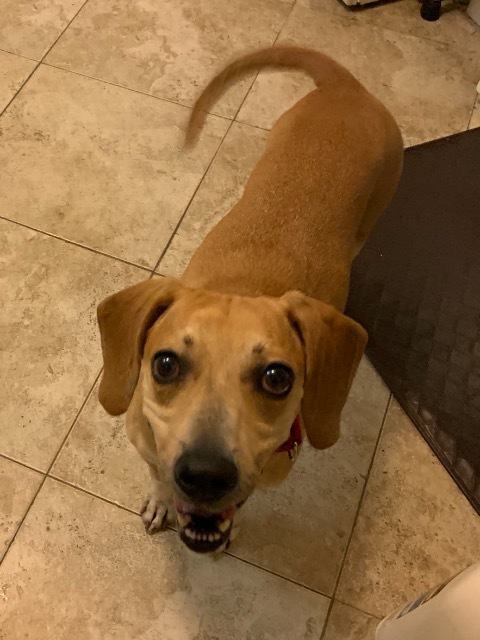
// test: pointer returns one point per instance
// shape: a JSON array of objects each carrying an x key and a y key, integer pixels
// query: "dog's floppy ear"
[
  {"x": 333, "y": 346},
  {"x": 124, "y": 319}
]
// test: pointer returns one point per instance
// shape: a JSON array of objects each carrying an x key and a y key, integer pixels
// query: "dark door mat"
[{"x": 416, "y": 289}]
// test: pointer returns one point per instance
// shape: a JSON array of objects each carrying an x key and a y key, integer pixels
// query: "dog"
[{"x": 223, "y": 372}]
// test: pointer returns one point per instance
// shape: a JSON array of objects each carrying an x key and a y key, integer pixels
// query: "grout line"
[
  {"x": 277, "y": 575},
  {"x": 127, "y": 88},
  {"x": 22, "y": 464},
  {"x": 352, "y": 606},
  {"x": 202, "y": 179},
  {"x": 185, "y": 211},
  {"x": 39, "y": 62},
  {"x": 75, "y": 420},
  {"x": 46, "y": 474},
  {"x": 77, "y": 244},
  {"x": 18, "y": 55},
  {"x": 2, "y": 111},
  {"x": 355, "y": 519},
  {"x": 253, "y": 126},
  {"x": 472, "y": 110},
  {"x": 72, "y": 485},
  {"x": 182, "y": 217}
]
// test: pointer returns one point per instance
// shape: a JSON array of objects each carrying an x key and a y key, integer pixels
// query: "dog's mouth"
[{"x": 203, "y": 531}]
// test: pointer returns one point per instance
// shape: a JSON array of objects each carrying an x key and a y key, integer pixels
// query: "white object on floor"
[
  {"x": 451, "y": 611},
  {"x": 473, "y": 10}
]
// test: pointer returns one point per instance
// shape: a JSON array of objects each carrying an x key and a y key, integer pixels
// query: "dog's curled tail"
[{"x": 318, "y": 66}]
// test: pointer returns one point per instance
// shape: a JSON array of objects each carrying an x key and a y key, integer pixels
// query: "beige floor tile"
[
  {"x": 346, "y": 623},
  {"x": 30, "y": 27},
  {"x": 300, "y": 530},
  {"x": 475, "y": 119},
  {"x": 422, "y": 82},
  {"x": 168, "y": 48},
  {"x": 98, "y": 457},
  {"x": 220, "y": 190},
  {"x": 415, "y": 528},
  {"x": 17, "y": 488},
  {"x": 403, "y": 16},
  {"x": 83, "y": 569},
  {"x": 48, "y": 336},
  {"x": 13, "y": 72},
  {"x": 98, "y": 164}
]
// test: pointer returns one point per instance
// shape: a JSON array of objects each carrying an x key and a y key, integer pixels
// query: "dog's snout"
[{"x": 205, "y": 474}]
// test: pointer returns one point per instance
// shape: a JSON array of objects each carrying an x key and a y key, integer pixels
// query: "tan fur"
[{"x": 275, "y": 273}]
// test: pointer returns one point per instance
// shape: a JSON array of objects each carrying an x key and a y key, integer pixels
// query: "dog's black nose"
[{"x": 205, "y": 474}]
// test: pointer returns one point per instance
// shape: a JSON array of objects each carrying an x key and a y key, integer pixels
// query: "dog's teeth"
[
  {"x": 183, "y": 520},
  {"x": 224, "y": 526},
  {"x": 206, "y": 537}
]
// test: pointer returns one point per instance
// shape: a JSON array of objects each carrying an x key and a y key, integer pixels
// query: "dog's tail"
[{"x": 318, "y": 66}]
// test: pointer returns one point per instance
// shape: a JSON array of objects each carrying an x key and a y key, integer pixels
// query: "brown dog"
[{"x": 222, "y": 371}]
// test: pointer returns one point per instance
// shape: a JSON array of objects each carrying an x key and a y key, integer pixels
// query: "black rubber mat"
[{"x": 416, "y": 289}]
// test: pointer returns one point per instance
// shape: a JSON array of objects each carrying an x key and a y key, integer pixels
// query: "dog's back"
[{"x": 331, "y": 165}]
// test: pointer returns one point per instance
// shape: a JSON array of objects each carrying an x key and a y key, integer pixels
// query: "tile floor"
[{"x": 95, "y": 195}]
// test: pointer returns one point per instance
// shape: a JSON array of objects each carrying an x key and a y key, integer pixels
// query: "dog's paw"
[{"x": 154, "y": 513}]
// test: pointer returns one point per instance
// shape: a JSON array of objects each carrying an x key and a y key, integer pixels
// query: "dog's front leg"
[
  {"x": 157, "y": 508},
  {"x": 158, "y": 505}
]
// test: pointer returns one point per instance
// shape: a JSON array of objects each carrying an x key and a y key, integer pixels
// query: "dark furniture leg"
[{"x": 431, "y": 10}]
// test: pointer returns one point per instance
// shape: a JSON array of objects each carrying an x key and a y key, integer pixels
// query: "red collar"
[{"x": 294, "y": 440}]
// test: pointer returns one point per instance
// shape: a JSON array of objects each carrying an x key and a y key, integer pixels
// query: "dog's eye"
[
  {"x": 165, "y": 367},
  {"x": 277, "y": 379}
]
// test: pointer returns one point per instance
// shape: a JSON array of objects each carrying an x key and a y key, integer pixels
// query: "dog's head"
[{"x": 222, "y": 378}]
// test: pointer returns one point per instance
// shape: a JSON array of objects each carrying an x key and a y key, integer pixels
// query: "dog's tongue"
[{"x": 187, "y": 509}]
